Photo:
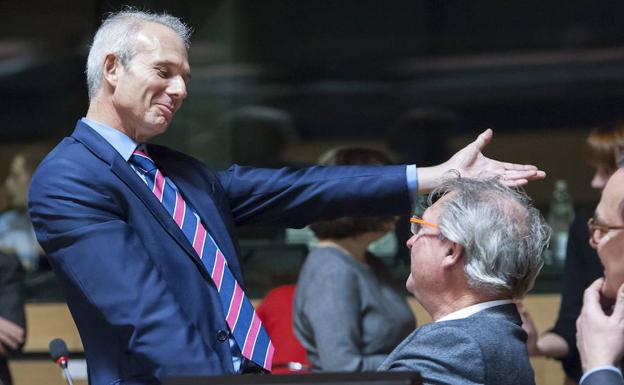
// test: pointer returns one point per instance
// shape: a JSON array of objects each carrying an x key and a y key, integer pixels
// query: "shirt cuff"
[
  {"x": 412, "y": 184},
  {"x": 608, "y": 367}
]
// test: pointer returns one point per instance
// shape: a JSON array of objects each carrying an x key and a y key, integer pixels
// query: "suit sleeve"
[
  {"x": 332, "y": 310},
  {"x": 295, "y": 198},
  {"x": 603, "y": 377},
  {"x": 12, "y": 290},
  {"x": 105, "y": 268},
  {"x": 442, "y": 355}
]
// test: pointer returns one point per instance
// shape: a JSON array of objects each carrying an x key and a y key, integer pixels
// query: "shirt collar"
[
  {"x": 121, "y": 142},
  {"x": 470, "y": 310}
]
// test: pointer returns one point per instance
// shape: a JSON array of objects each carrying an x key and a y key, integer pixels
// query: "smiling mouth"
[{"x": 168, "y": 110}]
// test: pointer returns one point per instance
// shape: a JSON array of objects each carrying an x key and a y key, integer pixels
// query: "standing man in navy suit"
[{"x": 106, "y": 209}]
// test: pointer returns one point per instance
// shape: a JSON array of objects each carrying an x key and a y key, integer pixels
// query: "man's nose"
[
  {"x": 410, "y": 242},
  {"x": 597, "y": 181},
  {"x": 595, "y": 235},
  {"x": 177, "y": 88}
]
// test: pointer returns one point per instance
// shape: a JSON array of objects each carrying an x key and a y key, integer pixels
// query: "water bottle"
[{"x": 560, "y": 215}]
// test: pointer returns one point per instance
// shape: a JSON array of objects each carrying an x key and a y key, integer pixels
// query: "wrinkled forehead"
[{"x": 433, "y": 212}]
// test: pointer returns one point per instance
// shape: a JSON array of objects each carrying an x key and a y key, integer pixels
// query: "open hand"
[
  {"x": 11, "y": 336},
  {"x": 471, "y": 163}
]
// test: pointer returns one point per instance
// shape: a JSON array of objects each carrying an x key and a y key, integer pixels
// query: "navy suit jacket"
[
  {"x": 144, "y": 304},
  {"x": 487, "y": 348},
  {"x": 603, "y": 377}
]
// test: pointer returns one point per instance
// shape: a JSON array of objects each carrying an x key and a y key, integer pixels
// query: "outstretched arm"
[{"x": 471, "y": 163}]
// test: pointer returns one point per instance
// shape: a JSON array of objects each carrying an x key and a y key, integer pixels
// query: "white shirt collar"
[
  {"x": 470, "y": 310},
  {"x": 124, "y": 145}
]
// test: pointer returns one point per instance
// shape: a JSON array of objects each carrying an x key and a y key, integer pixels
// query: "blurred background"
[
  {"x": 345, "y": 71},
  {"x": 278, "y": 82}
]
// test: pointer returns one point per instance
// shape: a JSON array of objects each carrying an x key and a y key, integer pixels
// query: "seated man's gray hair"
[{"x": 503, "y": 235}]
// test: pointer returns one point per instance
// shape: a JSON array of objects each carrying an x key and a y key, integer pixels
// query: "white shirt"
[{"x": 470, "y": 310}]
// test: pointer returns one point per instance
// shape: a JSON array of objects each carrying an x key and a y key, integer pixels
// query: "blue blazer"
[{"x": 144, "y": 304}]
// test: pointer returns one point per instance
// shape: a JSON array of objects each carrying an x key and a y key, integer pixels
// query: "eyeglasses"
[
  {"x": 599, "y": 230},
  {"x": 418, "y": 223}
]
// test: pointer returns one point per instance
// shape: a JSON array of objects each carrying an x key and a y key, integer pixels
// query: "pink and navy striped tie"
[{"x": 241, "y": 317}]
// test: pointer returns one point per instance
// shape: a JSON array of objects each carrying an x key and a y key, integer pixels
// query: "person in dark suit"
[
  {"x": 582, "y": 265},
  {"x": 476, "y": 249},
  {"x": 12, "y": 316},
  {"x": 141, "y": 236},
  {"x": 600, "y": 327}
]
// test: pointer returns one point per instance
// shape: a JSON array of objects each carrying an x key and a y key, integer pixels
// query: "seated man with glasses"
[
  {"x": 600, "y": 327},
  {"x": 477, "y": 248}
]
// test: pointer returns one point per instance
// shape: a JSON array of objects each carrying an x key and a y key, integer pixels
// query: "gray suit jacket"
[
  {"x": 486, "y": 348},
  {"x": 603, "y": 377}
]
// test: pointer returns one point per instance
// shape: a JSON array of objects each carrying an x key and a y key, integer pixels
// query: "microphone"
[{"x": 60, "y": 355}]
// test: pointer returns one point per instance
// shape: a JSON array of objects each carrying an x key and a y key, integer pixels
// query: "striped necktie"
[{"x": 241, "y": 317}]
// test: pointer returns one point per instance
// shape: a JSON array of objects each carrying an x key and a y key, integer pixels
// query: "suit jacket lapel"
[{"x": 103, "y": 150}]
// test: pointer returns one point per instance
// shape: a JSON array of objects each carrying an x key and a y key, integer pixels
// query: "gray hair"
[
  {"x": 502, "y": 234},
  {"x": 117, "y": 35}
]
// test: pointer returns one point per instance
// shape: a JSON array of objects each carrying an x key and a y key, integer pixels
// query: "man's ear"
[
  {"x": 112, "y": 66},
  {"x": 454, "y": 255}
]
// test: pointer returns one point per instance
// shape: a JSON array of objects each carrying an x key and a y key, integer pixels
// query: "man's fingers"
[
  {"x": 618, "y": 309},
  {"x": 515, "y": 178},
  {"x": 591, "y": 297},
  {"x": 11, "y": 334},
  {"x": 515, "y": 182},
  {"x": 11, "y": 327},
  {"x": 529, "y": 174},
  {"x": 483, "y": 139},
  {"x": 9, "y": 340},
  {"x": 520, "y": 167}
]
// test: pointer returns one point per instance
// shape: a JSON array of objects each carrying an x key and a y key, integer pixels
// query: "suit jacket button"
[{"x": 223, "y": 335}]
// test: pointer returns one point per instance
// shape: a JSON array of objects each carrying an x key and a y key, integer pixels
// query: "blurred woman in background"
[{"x": 347, "y": 316}]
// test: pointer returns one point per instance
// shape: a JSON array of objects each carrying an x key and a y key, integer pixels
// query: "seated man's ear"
[{"x": 454, "y": 255}]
